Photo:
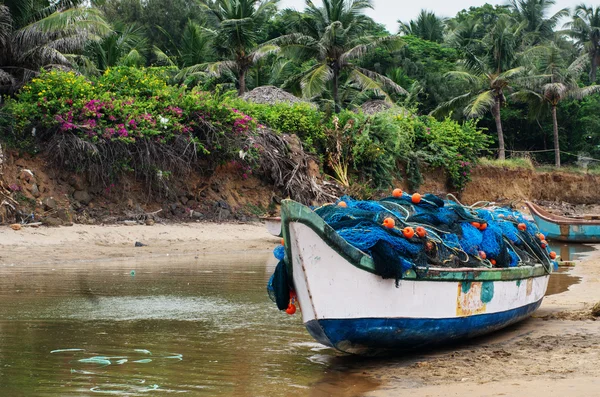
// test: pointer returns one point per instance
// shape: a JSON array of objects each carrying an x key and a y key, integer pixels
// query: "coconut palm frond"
[
  {"x": 578, "y": 66},
  {"x": 84, "y": 21},
  {"x": 383, "y": 81},
  {"x": 162, "y": 58},
  {"x": 480, "y": 105},
  {"x": 365, "y": 83},
  {"x": 389, "y": 43},
  {"x": 216, "y": 68},
  {"x": 133, "y": 58},
  {"x": 447, "y": 107},
  {"x": 263, "y": 51},
  {"x": 514, "y": 72},
  {"x": 470, "y": 78},
  {"x": 314, "y": 82},
  {"x": 583, "y": 92},
  {"x": 6, "y": 25}
]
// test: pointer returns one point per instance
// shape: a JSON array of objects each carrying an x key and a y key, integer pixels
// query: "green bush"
[
  {"x": 452, "y": 146},
  {"x": 301, "y": 119}
]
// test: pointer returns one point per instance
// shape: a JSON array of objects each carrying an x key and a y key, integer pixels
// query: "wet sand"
[
  {"x": 555, "y": 353},
  {"x": 92, "y": 243}
]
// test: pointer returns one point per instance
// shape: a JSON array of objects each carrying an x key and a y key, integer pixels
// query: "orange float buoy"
[
  {"x": 397, "y": 193},
  {"x": 342, "y": 204},
  {"x": 544, "y": 243},
  {"x": 421, "y": 232},
  {"x": 493, "y": 262},
  {"x": 291, "y": 309},
  {"x": 429, "y": 246},
  {"x": 483, "y": 227},
  {"x": 416, "y": 198},
  {"x": 541, "y": 237},
  {"x": 477, "y": 225},
  {"x": 389, "y": 223},
  {"x": 408, "y": 232},
  {"x": 522, "y": 226},
  {"x": 282, "y": 242},
  {"x": 482, "y": 255},
  {"x": 552, "y": 255}
]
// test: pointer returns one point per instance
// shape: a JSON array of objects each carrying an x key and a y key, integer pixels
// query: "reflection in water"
[
  {"x": 570, "y": 251},
  {"x": 202, "y": 326},
  {"x": 560, "y": 281}
]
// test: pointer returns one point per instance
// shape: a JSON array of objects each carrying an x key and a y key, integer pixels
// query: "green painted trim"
[{"x": 292, "y": 211}]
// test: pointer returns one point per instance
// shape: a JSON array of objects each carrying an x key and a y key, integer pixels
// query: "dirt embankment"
[
  {"x": 61, "y": 198},
  {"x": 503, "y": 184}
]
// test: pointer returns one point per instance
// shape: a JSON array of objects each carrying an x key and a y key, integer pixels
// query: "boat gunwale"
[
  {"x": 537, "y": 210},
  {"x": 292, "y": 211}
]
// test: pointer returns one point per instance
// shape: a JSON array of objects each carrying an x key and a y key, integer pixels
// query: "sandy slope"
[{"x": 85, "y": 242}]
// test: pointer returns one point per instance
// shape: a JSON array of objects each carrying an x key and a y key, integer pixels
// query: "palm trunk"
[
  {"x": 336, "y": 82},
  {"x": 496, "y": 113},
  {"x": 242, "y": 82},
  {"x": 556, "y": 144},
  {"x": 594, "y": 58}
]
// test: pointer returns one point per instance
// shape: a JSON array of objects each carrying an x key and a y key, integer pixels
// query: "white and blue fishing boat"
[
  {"x": 347, "y": 306},
  {"x": 582, "y": 229}
]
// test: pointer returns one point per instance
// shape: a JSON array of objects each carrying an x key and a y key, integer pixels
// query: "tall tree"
[
  {"x": 585, "y": 29},
  {"x": 34, "y": 34},
  {"x": 239, "y": 24},
  {"x": 334, "y": 36},
  {"x": 489, "y": 77},
  {"x": 538, "y": 27},
  {"x": 427, "y": 26},
  {"x": 553, "y": 83}
]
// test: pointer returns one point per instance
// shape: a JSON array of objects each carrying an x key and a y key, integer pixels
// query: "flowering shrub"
[{"x": 128, "y": 106}]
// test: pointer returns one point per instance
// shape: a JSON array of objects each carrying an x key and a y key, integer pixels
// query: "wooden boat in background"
[
  {"x": 581, "y": 229},
  {"x": 347, "y": 306}
]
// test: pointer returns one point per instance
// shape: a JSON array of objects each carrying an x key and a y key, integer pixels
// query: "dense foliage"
[{"x": 111, "y": 117}]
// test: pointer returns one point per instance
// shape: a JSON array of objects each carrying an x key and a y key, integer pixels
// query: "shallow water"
[
  {"x": 196, "y": 325},
  {"x": 561, "y": 280},
  {"x": 203, "y": 325}
]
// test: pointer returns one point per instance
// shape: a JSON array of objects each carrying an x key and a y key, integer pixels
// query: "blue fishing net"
[{"x": 456, "y": 235}]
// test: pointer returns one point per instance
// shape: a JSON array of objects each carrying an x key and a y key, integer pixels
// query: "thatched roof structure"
[
  {"x": 378, "y": 105},
  {"x": 269, "y": 94},
  {"x": 375, "y": 106}
]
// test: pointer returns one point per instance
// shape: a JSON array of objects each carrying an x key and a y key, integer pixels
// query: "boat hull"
[
  {"x": 363, "y": 335},
  {"x": 356, "y": 311},
  {"x": 565, "y": 229}
]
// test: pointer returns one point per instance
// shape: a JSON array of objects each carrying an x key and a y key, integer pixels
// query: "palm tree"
[
  {"x": 333, "y": 36},
  {"x": 427, "y": 26},
  {"x": 490, "y": 77},
  {"x": 127, "y": 45},
  {"x": 585, "y": 29},
  {"x": 36, "y": 34},
  {"x": 533, "y": 13},
  {"x": 552, "y": 84},
  {"x": 239, "y": 23}
]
